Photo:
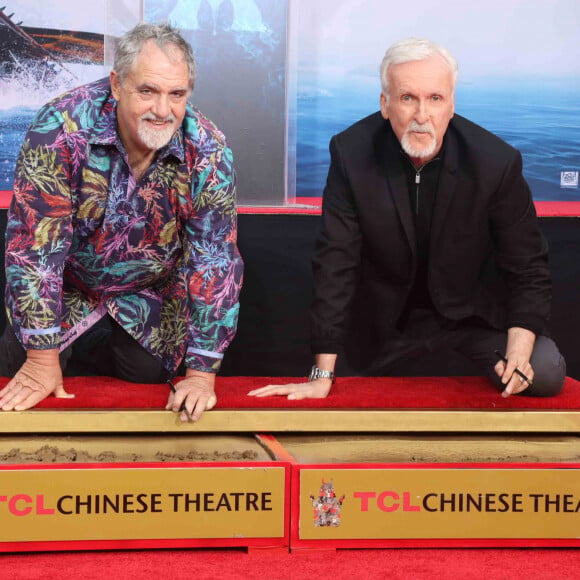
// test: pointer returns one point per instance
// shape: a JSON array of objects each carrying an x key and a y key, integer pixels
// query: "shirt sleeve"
[
  {"x": 214, "y": 267},
  {"x": 38, "y": 233}
]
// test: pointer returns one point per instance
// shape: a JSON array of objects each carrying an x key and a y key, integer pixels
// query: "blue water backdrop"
[
  {"x": 22, "y": 94},
  {"x": 540, "y": 117},
  {"x": 13, "y": 125},
  {"x": 240, "y": 48}
]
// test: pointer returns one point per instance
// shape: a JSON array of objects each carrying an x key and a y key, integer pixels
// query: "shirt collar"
[{"x": 438, "y": 158}]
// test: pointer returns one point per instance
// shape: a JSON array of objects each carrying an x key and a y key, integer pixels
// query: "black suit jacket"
[{"x": 488, "y": 257}]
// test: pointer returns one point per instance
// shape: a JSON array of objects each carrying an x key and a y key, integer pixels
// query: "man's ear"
[
  {"x": 384, "y": 106},
  {"x": 115, "y": 84}
]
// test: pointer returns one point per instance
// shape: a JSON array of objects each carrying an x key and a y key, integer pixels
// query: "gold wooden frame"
[{"x": 291, "y": 420}]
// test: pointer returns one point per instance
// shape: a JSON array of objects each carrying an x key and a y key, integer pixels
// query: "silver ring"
[{"x": 522, "y": 380}]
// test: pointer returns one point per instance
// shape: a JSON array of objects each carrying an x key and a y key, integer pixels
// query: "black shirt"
[{"x": 422, "y": 184}]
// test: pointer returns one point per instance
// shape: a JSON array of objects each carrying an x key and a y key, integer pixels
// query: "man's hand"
[
  {"x": 39, "y": 377},
  {"x": 317, "y": 389},
  {"x": 196, "y": 392},
  {"x": 520, "y": 345}
]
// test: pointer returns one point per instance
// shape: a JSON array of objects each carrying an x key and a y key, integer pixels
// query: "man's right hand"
[
  {"x": 39, "y": 377},
  {"x": 317, "y": 389}
]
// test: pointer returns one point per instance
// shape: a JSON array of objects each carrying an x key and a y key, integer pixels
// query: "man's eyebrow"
[
  {"x": 147, "y": 86},
  {"x": 156, "y": 87}
]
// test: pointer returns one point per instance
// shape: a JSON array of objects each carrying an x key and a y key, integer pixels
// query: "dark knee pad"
[{"x": 549, "y": 369}]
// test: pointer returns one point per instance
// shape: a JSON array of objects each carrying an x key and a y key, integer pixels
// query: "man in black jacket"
[{"x": 429, "y": 241}]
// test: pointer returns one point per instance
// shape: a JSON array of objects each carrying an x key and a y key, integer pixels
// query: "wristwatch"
[{"x": 316, "y": 373}]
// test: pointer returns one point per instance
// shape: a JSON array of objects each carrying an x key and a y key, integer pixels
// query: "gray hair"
[
  {"x": 414, "y": 49},
  {"x": 164, "y": 35}
]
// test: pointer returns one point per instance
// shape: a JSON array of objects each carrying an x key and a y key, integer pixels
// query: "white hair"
[
  {"x": 414, "y": 49},
  {"x": 164, "y": 35}
]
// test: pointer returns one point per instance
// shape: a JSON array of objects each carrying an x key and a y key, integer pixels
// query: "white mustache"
[
  {"x": 152, "y": 117},
  {"x": 417, "y": 128}
]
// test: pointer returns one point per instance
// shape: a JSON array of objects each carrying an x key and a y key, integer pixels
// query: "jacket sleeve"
[
  {"x": 521, "y": 251},
  {"x": 214, "y": 267},
  {"x": 38, "y": 233},
  {"x": 336, "y": 259}
]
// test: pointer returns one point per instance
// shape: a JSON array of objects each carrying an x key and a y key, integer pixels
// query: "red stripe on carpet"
[
  {"x": 5, "y": 197},
  {"x": 317, "y": 201},
  {"x": 311, "y": 206},
  {"x": 347, "y": 393},
  {"x": 279, "y": 210},
  {"x": 558, "y": 208}
]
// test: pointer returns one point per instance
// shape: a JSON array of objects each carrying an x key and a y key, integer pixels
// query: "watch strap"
[{"x": 316, "y": 373}]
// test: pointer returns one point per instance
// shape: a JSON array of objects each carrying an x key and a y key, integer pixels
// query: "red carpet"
[
  {"x": 404, "y": 564},
  {"x": 367, "y": 393}
]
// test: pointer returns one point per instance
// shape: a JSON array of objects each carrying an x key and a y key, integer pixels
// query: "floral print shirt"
[{"x": 85, "y": 239}]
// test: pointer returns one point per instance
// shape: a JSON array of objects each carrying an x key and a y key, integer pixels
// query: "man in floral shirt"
[{"x": 123, "y": 222}]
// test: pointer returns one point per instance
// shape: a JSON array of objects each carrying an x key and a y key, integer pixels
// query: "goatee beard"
[
  {"x": 155, "y": 138},
  {"x": 419, "y": 153}
]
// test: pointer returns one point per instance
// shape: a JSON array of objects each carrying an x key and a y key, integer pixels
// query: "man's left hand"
[
  {"x": 196, "y": 392},
  {"x": 520, "y": 345}
]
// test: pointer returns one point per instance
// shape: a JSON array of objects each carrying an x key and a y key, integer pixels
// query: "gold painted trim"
[{"x": 283, "y": 421}]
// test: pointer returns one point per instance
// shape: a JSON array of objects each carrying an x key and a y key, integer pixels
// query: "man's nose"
[
  {"x": 422, "y": 112},
  {"x": 161, "y": 107}
]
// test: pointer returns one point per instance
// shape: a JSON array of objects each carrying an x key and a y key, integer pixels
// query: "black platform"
[{"x": 272, "y": 338}]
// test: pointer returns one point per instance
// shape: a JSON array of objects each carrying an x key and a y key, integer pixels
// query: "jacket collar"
[{"x": 447, "y": 184}]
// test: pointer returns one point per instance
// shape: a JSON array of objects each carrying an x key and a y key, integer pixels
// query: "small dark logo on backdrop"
[{"x": 327, "y": 506}]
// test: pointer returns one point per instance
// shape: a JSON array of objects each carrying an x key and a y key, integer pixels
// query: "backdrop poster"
[
  {"x": 47, "y": 48},
  {"x": 240, "y": 47},
  {"x": 519, "y": 77}
]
